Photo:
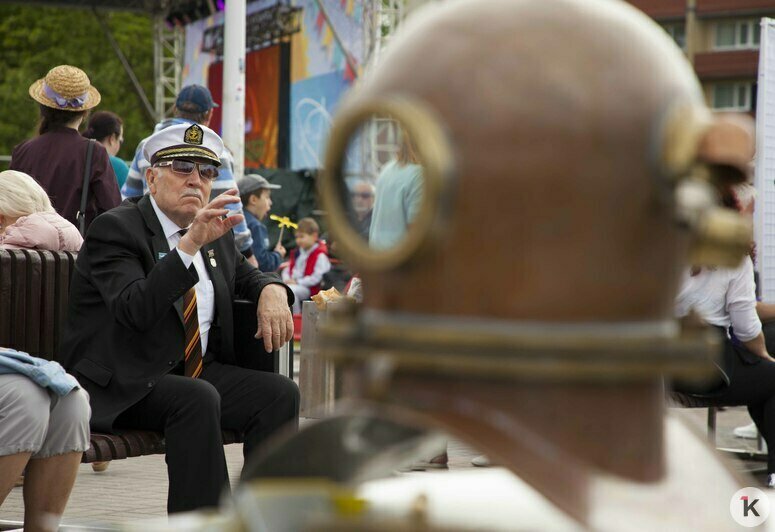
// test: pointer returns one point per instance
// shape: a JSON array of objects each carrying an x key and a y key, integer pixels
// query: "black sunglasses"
[
  {"x": 362, "y": 195},
  {"x": 180, "y": 166}
]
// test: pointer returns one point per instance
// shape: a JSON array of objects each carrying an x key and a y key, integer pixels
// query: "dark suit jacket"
[{"x": 124, "y": 327}]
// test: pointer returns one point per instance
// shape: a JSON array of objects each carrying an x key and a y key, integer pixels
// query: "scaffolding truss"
[
  {"x": 379, "y": 143},
  {"x": 168, "y": 51}
]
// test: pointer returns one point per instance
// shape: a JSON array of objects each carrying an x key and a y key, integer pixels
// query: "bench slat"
[
  {"x": 5, "y": 298},
  {"x": 47, "y": 319},
  {"x": 18, "y": 301},
  {"x": 31, "y": 322}
]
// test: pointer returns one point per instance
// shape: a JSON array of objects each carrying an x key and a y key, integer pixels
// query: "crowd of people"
[
  {"x": 165, "y": 245},
  {"x": 148, "y": 341}
]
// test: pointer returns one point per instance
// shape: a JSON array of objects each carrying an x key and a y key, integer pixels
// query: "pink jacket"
[{"x": 42, "y": 230}]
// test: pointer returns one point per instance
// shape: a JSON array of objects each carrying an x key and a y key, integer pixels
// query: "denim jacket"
[
  {"x": 268, "y": 260},
  {"x": 45, "y": 373}
]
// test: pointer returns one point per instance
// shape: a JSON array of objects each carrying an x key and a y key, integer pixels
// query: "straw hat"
[{"x": 66, "y": 88}]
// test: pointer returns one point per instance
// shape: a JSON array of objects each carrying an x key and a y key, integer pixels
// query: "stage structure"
[
  {"x": 383, "y": 18},
  {"x": 168, "y": 46},
  {"x": 378, "y": 146},
  {"x": 323, "y": 47},
  {"x": 301, "y": 57},
  {"x": 266, "y": 66}
]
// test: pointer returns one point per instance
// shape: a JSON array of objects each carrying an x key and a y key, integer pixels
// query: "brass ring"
[{"x": 436, "y": 157}]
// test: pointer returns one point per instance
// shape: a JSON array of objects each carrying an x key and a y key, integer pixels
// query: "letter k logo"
[
  {"x": 755, "y": 507},
  {"x": 749, "y": 507}
]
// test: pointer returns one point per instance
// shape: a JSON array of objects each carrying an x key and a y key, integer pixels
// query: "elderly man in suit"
[{"x": 149, "y": 331}]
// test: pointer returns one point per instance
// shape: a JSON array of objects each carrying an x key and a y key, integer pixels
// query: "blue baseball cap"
[{"x": 195, "y": 99}]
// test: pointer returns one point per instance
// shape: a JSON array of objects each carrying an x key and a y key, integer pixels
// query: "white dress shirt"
[
  {"x": 205, "y": 293},
  {"x": 722, "y": 297}
]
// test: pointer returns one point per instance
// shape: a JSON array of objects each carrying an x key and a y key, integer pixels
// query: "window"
[
  {"x": 732, "y": 34},
  {"x": 732, "y": 96},
  {"x": 678, "y": 33}
]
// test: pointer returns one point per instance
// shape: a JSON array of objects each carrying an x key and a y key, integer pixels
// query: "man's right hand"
[{"x": 210, "y": 223}]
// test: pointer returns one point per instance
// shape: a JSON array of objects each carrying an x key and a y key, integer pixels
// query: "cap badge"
[{"x": 194, "y": 135}]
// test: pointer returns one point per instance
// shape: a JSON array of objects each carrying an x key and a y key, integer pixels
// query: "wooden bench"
[{"x": 34, "y": 291}]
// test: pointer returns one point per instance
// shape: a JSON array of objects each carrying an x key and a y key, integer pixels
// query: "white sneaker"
[
  {"x": 749, "y": 432},
  {"x": 771, "y": 480},
  {"x": 481, "y": 461}
]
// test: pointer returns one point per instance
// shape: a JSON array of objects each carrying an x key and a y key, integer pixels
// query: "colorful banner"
[
  {"x": 326, "y": 57},
  {"x": 262, "y": 76}
]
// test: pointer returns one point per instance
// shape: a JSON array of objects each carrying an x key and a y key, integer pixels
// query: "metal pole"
[{"x": 234, "y": 83}]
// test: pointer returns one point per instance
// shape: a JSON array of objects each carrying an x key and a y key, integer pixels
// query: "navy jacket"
[{"x": 268, "y": 261}]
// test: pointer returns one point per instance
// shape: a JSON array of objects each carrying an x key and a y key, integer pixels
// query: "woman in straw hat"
[{"x": 56, "y": 158}]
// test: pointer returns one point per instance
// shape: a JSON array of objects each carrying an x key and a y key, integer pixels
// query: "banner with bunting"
[{"x": 326, "y": 57}]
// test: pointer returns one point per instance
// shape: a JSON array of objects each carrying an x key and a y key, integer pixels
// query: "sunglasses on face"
[
  {"x": 179, "y": 166},
  {"x": 362, "y": 195}
]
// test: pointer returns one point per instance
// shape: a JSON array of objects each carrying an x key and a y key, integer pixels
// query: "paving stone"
[{"x": 136, "y": 489}]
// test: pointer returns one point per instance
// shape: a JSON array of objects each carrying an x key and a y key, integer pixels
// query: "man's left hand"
[{"x": 275, "y": 323}]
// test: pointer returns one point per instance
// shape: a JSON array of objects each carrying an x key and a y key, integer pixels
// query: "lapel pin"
[
  {"x": 211, "y": 256},
  {"x": 160, "y": 255}
]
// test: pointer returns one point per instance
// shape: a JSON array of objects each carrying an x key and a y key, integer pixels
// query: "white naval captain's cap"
[{"x": 184, "y": 141}]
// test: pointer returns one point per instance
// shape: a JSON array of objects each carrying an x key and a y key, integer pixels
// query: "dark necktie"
[{"x": 193, "y": 345}]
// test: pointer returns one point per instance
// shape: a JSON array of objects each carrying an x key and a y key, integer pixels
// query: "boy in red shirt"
[{"x": 308, "y": 262}]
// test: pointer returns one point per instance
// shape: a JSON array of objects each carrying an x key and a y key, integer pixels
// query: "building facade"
[{"x": 721, "y": 39}]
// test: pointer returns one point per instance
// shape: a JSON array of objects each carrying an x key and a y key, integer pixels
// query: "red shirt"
[{"x": 57, "y": 161}]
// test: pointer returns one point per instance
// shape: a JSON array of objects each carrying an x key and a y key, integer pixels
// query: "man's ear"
[{"x": 150, "y": 178}]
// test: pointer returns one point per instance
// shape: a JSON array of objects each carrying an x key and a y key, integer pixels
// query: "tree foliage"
[{"x": 35, "y": 39}]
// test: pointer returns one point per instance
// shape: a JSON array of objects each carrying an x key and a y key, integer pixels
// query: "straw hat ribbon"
[{"x": 67, "y": 88}]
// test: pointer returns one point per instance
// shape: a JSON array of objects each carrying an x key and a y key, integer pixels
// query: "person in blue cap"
[{"x": 194, "y": 105}]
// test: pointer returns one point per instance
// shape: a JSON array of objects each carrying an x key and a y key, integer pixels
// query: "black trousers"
[
  {"x": 192, "y": 412},
  {"x": 751, "y": 384}
]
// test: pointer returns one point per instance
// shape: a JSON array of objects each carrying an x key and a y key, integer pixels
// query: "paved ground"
[{"x": 136, "y": 488}]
